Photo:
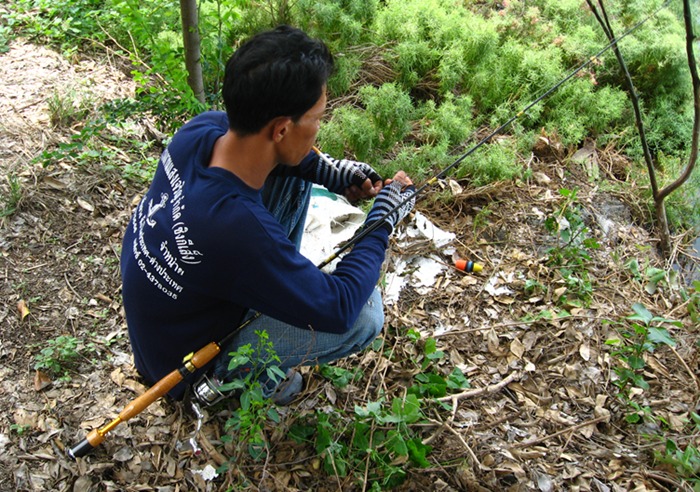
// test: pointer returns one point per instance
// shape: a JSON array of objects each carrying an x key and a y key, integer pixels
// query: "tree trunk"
[
  {"x": 660, "y": 195},
  {"x": 190, "y": 37}
]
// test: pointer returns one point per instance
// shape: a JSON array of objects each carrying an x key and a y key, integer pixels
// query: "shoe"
[{"x": 288, "y": 389}]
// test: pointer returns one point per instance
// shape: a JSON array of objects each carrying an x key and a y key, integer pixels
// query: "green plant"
[
  {"x": 79, "y": 146},
  {"x": 12, "y": 198},
  {"x": 431, "y": 353},
  {"x": 450, "y": 122},
  {"x": 571, "y": 256},
  {"x": 246, "y": 426},
  {"x": 67, "y": 107},
  {"x": 431, "y": 382},
  {"x": 339, "y": 22},
  {"x": 651, "y": 276},
  {"x": 377, "y": 440},
  {"x": 693, "y": 299},
  {"x": 533, "y": 287},
  {"x": 683, "y": 205},
  {"x": 5, "y": 34},
  {"x": 642, "y": 332},
  {"x": 685, "y": 461},
  {"x": 68, "y": 24},
  {"x": 434, "y": 384},
  {"x": 339, "y": 376},
  {"x": 496, "y": 161},
  {"x": 20, "y": 429},
  {"x": 59, "y": 356}
]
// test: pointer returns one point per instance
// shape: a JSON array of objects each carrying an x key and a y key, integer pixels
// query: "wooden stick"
[
  {"x": 532, "y": 442},
  {"x": 485, "y": 390}
]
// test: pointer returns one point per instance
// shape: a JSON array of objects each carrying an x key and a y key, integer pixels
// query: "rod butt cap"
[{"x": 80, "y": 449}]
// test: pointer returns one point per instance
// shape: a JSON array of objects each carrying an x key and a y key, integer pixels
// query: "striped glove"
[
  {"x": 389, "y": 198},
  {"x": 342, "y": 174}
]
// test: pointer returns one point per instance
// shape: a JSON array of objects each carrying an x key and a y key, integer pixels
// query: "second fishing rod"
[{"x": 444, "y": 172}]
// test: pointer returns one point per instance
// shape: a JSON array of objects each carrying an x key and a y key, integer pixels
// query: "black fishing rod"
[
  {"x": 442, "y": 174},
  {"x": 206, "y": 354}
]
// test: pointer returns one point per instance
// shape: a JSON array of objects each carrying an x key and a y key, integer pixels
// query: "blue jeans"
[{"x": 288, "y": 199}]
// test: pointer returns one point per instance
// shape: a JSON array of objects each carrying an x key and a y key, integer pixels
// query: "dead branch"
[
  {"x": 573, "y": 428},
  {"x": 515, "y": 376}
]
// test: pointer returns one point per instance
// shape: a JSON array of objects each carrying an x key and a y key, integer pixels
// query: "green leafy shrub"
[
  {"x": 349, "y": 130},
  {"x": 450, "y": 122},
  {"x": 430, "y": 36},
  {"x": 67, "y": 24},
  {"x": 643, "y": 332},
  {"x": 246, "y": 427},
  {"x": 378, "y": 437},
  {"x": 419, "y": 162},
  {"x": 60, "y": 356},
  {"x": 579, "y": 110},
  {"x": 379, "y": 433},
  {"x": 493, "y": 162},
  {"x": 338, "y": 22},
  {"x": 571, "y": 255},
  {"x": 390, "y": 110},
  {"x": 363, "y": 133}
]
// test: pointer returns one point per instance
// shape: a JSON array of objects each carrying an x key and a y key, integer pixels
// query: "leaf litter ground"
[{"x": 541, "y": 413}]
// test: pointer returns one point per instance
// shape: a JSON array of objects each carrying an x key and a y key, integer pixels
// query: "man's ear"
[{"x": 279, "y": 128}]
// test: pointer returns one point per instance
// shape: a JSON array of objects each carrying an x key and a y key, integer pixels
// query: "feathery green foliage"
[{"x": 405, "y": 69}]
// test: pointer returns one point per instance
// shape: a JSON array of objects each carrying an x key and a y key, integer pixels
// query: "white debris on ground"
[
  {"x": 495, "y": 284},
  {"x": 332, "y": 220},
  {"x": 208, "y": 473},
  {"x": 420, "y": 271}
]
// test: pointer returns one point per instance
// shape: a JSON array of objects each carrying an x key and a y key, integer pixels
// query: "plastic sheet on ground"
[{"x": 332, "y": 220}]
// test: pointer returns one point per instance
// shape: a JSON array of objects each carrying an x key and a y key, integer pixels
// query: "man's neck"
[{"x": 251, "y": 158}]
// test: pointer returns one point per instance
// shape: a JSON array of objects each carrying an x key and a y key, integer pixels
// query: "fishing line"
[{"x": 441, "y": 175}]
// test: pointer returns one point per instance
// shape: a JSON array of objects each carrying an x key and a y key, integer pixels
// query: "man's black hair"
[{"x": 275, "y": 73}]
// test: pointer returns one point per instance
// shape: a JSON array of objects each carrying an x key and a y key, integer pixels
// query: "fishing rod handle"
[
  {"x": 96, "y": 436},
  {"x": 196, "y": 361},
  {"x": 164, "y": 385}
]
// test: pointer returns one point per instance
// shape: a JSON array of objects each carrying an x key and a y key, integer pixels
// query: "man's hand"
[
  {"x": 355, "y": 180},
  {"x": 398, "y": 192}
]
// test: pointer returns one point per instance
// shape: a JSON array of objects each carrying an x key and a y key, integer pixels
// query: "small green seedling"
[
  {"x": 642, "y": 333},
  {"x": 59, "y": 357},
  {"x": 247, "y": 424}
]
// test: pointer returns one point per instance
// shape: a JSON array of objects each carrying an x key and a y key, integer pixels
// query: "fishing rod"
[
  {"x": 440, "y": 175},
  {"x": 190, "y": 364},
  {"x": 206, "y": 354}
]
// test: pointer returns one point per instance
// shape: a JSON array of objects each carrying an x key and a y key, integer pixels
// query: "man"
[{"x": 216, "y": 237}]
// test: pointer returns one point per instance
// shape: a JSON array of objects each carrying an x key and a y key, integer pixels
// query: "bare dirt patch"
[{"x": 542, "y": 412}]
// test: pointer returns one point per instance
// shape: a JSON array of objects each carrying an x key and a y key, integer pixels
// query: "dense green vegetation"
[{"x": 416, "y": 79}]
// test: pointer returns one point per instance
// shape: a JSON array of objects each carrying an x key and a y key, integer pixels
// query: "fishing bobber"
[{"x": 468, "y": 266}]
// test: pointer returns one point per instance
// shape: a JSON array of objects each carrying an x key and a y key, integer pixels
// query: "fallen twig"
[
  {"x": 688, "y": 370},
  {"x": 485, "y": 390},
  {"x": 471, "y": 453},
  {"x": 539, "y": 440},
  {"x": 521, "y": 323},
  {"x": 218, "y": 458}
]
